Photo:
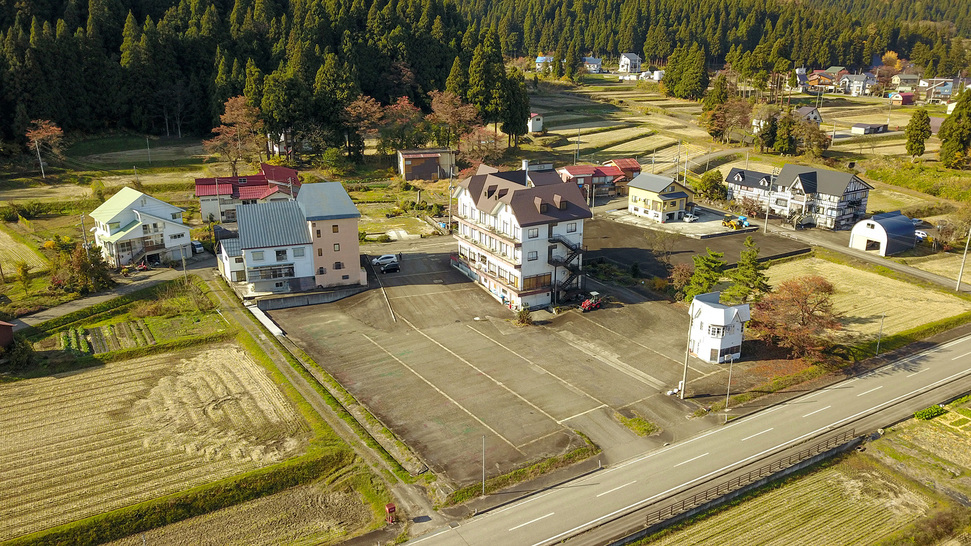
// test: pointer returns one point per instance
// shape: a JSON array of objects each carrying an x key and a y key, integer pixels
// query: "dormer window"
[
  {"x": 543, "y": 207},
  {"x": 242, "y": 180}
]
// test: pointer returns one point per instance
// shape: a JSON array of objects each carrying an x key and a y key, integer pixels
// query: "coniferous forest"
[{"x": 167, "y": 66}]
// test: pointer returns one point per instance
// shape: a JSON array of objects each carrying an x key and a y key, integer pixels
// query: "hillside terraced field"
[
  {"x": 93, "y": 441},
  {"x": 11, "y": 252}
]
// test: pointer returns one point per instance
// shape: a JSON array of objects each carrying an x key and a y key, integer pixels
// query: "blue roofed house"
[
  {"x": 592, "y": 65},
  {"x": 543, "y": 63},
  {"x": 276, "y": 248},
  {"x": 131, "y": 227},
  {"x": 886, "y": 234}
]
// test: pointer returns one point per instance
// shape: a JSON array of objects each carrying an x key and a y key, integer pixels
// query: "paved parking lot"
[{"x": 449, "y": 367}]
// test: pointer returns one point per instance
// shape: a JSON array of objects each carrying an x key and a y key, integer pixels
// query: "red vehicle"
[{"x": 595, "y": 301}]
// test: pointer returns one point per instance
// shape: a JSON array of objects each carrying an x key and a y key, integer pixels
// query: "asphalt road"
[{"x": 867, "y": 402}]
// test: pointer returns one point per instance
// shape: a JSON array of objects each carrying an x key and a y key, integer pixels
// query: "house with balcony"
[
  {"x": 716, "y": 329},
  {"x": 857, "y": 84},
  {"x": 276, "y": 249},
  {"x": 660, "y": 198},
  {"x": 748, "y": 184},
  {"x": 630, "y": 63},
  {"x": 820, "y": 197},
  {"x": 520, "y": 235},
  {"x": 219, "y": 196},
  {"x": 602, "y": 180},
  {"x": 331, "y": 220},
  {"x": 132, "y": 227}
]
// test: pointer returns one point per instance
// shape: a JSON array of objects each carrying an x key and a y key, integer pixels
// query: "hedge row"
[{"x": 200, "y": 500}]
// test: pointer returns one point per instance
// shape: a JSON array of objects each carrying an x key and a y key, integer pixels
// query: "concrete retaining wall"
[{"x": 312, "y": 298}]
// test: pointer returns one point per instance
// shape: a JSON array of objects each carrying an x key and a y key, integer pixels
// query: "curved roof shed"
[{"x": 886, "y": 234}]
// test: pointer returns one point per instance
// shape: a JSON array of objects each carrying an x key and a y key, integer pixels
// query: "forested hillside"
[
  {"x": 949, "y": 12},
  {"x": 162, "y": 66}
]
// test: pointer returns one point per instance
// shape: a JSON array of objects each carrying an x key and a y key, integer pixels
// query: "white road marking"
[
  {"x": 817, "y": 411},
  {"x": 424, "y": 538},
  {"x": 532, "y": 521},
  {"x": 616, "y": 488},
  {"x": 871, "y": 390},
  {"x": 756, "y": 434},
  {"x": 553, "y": 539},
  {"x": 917, "y": 372},
  {"x": 689, "y": 460},
  {"x": 561, "y": 421},
  {"x": 961, "y": 356}
]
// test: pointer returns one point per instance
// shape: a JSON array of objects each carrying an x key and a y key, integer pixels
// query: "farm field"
[
  {"x": 640, "y": 147},
  {"x": 885, "y": 198},
  {"x": 859, "y": 503},
  {"x": 862, "y": 297},
  {"x": 885, "y": 146},
  {"x": 12, "y": 251},
  {"x": 944, "y": 264},
  {"x": 88, "y": 442},
  {"x": 605, "y": 138},
  {"x": 308, "y": 514}
]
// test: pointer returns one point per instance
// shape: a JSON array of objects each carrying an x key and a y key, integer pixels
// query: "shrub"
[
  {"x": 659, "y": 284},
  {"x": 930, "y": 413},
  {"x": 524, "y": 317}
]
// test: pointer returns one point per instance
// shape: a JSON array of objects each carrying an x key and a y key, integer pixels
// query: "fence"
[{"x": 738, "y": 482}]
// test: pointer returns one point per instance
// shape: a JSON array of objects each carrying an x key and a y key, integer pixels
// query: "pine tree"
[
  {"x": 918, "y": 131},
  {"x": 458, "y": 81},
  {"x": 955, "y": 134},
  {"x": 486, "y": 75},
  {"x": 516, "y": 106},
  {"x": 708, "y": 271},
  {"x": 748, "y": 277}
]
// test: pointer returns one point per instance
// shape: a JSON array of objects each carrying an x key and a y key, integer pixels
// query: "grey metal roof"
[
  {"x": 651, "y": 182},
  {"x": 231, "y": 246},
  {"x": 749, "y": 178},
  {"x": 804, "y": 111},
  {"x": 326, "y": 201},
  {"x": 817, "y": 180},
  {"x": 900, "y": 231},
  {"x": 672, "y": 196},
  {"x": 277, "y": 223}
]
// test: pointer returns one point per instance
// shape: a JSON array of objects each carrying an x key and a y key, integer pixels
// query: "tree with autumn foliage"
[
  {"x": 450, "y": 118},
  {"x": 797, "y": 315},
  {"x": 240, "y": 136},
  {"x": 44, "y": 135},
  {"x": 364, "y": 116},
  {"x": 402, "y": 127}
]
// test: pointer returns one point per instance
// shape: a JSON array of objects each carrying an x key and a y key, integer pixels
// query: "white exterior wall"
[
  {"x": 231, "y": 268},
  {"x": 703, "y": 341},
  {"x": 865, "y": 231},
  {"x": 303, "y": 267},
  {"x": 169, "y": 234},
  {"x": 535, "y": 124}
]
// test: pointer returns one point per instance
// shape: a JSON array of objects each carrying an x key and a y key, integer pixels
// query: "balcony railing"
[{"x": 509, "y": 259}]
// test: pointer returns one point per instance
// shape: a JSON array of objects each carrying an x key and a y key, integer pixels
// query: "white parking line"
[
  {"x": 961, "y": 356},
  {"x": 561, "y": 421},
  {"x": 616, "y": 488},
  {"x": 691, "y": 459},
  {"x": 756, "y": 434},
  {"x": 817, "y": 411},
  {"x": 871, "y": 390},
  {"x": 531, "y": 521}
]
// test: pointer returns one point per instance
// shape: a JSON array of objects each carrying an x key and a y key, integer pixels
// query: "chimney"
[{"x": 525, "y": 164}]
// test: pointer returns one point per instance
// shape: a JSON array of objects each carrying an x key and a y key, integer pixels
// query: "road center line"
[
  {"x": 756, "y": 434},
  {"x": 917, "y": 372},
  {"x": 817, "y": 411},
  {"x": 871, "y": 390},
  {"x": 792, "y": 441},
  {"x": 961, "y": 356},
  {"x": 532, "y": 521},
  {"x": 616, "y": 488},
  {"x": 689, "y": 460}
]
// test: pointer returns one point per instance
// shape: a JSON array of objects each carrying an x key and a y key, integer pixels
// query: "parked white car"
[
  {"x": 689, "y": 217},
  {"x": 384, "y": 259},
  {"x": 921, "y": 235}
]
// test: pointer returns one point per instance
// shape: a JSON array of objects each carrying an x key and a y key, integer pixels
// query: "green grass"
[
  {"x": 930, "y": 179},
  {"x": 639, "y": 425},
  {"x": 104, "y": 145}
]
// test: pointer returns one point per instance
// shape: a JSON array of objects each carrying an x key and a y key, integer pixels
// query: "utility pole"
[
  {"x": 963, "y": 261},
  {"x": 84, "y": 234},
  {"x": 39, "y": 160},
  {"x": 731, "y": 361},
  {"x": 576, "y": 155},
  {"x": 149, "y": 148},
  {"x": 880, "y": 334},
  {"x": 483, "y": 465}
]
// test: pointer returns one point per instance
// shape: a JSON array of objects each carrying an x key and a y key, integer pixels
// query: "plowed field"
[
  {"x": 82, "y": 444},
  {"x": 12, "y": 252}
]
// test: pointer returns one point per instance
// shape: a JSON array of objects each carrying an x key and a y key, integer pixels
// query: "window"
[
  {"x": 345, "y": 277},
  {"x": 538, "y": 281},
  {"x": 716, "y": 331},
  {"x": 175, "y": 215},
  {"x": 321, "y": 270},
  {"x": 242, "y": 180},
  {"x": 258, "y": 256},
  {"x": 337, "y": 247},
  {"x": 318, "y": 234},
  {"x": 177, "y": 236},
  {"x": 278, "y": 285},
  {"x": 571, "y": 227},
  {"x": 281, "y": 255},
  {"x": 113, "y": 225},
  {"x": 532, "y": 256},
  {"x": 870, "y": 225},
  {"x": 320, "y": 252},
  {"x": 239, "y": 260},
  {"x": 533, "y": 233},
  {"x": 298, "y": 252},
  {"x": 338, "y": 265},
  {"x": 336, "y": 228},
  {"x": 543, "y": 208}
]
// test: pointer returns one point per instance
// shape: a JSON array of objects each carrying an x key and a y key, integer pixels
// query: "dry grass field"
[
  {"x": 92, "y": 441},
  {"x": 858, "y": 504},
  {"x": 12, "y": 251},
  {"x": 946, "y": 265},
  {"x": 640, "y": 147},
  {"x": 862, "y": 297}
]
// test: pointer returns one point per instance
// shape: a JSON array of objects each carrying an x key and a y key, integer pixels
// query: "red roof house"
[
  {"x": 631, "y": 168},
  {"x": 219, "y": 196},
  {"x": 602, "y": 178}
]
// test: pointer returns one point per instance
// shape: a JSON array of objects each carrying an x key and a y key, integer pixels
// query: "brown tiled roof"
[{"x": 540, "y": 204}]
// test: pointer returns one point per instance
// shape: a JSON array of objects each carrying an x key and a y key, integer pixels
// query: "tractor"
[
  {"x": 730, "y": 221},
  {"x": 595, "y": 301}
]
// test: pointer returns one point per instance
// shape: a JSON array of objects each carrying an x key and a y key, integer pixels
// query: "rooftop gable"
[
  {"x": 128, "y": 199},
  {"x": 273, "y": 224},
  {"x": 326, "y": 201},
  {"x": 814, "y": 180}
]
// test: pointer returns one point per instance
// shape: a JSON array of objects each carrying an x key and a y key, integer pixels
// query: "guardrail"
[{"x": 738, "y": 482}]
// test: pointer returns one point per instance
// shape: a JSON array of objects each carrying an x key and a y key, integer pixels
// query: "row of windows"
[
  {"x": 281, "y": 255},
  {"x": 334, "y": 229},
  {"x": 323, "y": 270}
]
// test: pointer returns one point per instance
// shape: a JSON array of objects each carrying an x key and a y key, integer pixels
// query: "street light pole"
[
  {"x": 963, "y": 261},
  {"x": 880, "y": 333},
  {"x": 731, "y": 361},
  {"x": 687, "y": 349}
]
